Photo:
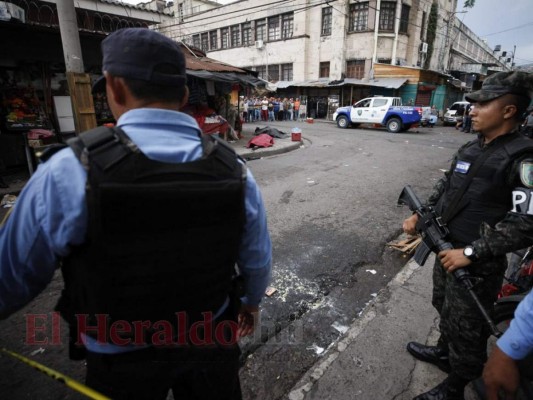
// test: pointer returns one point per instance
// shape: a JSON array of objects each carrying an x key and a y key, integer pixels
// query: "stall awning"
[{"x": 388, "y": 83}]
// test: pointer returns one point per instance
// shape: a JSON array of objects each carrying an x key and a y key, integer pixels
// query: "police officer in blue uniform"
[
  {"x": 501, "y": 370},
  {"x": 485, "y": 199},
  {"x": 148, "y": 220}
]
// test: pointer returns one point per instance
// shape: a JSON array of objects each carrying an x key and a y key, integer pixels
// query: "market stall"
[{"x": 21, "y": 112}]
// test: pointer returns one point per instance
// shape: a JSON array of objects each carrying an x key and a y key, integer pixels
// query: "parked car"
[{"x": 454, "y": 114}]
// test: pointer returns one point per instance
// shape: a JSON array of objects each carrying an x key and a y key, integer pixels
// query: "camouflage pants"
[{"x": 464, "y": 331}]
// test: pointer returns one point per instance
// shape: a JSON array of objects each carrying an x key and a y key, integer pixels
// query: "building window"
[
  {"x": 235, "y": 36},
  {"x": 273, "y": 73},
  {"x": 286, "y": 72},
  {"x": 180, "y": 12},
  {"x": 247, "y": 34},
  {"x": 261, "y": 72},
  {"x": 213, "y": 40},
  {"x": 386, "y": 15},
  {"x": 224, "y": 34},
  {"x": 273, "y": 28},
  {"x": 204, "y": 41},
  {"x": 196, "y": 41},
  {"x": 358, "y": 20},
  {"x": 324, "y": 69},
  {"x": 355, "y": 69},
  {"x": 286, "y": 25},
  {"x": 384, "y": 60},
  {"x": 404, "y": 18},
  {"x": 423, "y": 26},
  {"x": 326, "y": 21},
  {"x": 260, "y": 29}
]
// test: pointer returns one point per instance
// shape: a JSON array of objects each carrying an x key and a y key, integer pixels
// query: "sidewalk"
[
  {"x": 370, "y": 361},
  {"x": 280, "y": 145},
  {"x": 17, "y": 179}
]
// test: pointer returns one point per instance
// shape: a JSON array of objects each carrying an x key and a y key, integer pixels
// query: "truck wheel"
[
  {"x": 342, "y": 122},
  {"x": 394, "y": 125}
]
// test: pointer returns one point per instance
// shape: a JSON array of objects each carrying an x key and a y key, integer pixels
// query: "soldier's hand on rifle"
[
  {"x": 409, "y": 224},
  {"x": 453, "y": 259}
]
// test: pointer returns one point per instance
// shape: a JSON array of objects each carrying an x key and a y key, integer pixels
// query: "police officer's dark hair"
[
  {"x": 521, "y": 103},
  {"x": 145, "y": 90}
]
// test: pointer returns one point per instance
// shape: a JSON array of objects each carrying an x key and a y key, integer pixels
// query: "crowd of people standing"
[{"x": 272, "y": 109}]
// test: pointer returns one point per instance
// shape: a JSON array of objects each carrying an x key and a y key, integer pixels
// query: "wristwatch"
[{"x": 470, "y": 253}]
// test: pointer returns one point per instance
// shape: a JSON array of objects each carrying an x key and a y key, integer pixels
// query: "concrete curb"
[
  {"x": 249, "y": 154},
  {"x": 369, "y": 361}
]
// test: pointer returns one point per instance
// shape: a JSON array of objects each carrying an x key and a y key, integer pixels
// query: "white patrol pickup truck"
[{"x": 386, "y": 111}]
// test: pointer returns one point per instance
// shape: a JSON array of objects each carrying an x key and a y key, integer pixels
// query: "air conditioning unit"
[
  {"x": 423, "y": 47},
  {"x": 259, "y": 44}
]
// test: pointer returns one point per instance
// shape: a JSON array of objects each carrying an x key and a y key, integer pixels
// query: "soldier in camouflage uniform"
[{"x": 492, "y": 217}]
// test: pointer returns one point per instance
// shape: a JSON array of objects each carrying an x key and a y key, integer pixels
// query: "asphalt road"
[{"x": 331, "y": 208}]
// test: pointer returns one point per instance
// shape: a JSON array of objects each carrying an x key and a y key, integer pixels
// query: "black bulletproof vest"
[
  {"x": 488, "y": 198},
  {"x": 162, "y": 238}
]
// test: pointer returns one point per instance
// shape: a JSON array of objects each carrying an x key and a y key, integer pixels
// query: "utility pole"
[
  {"x": 446, "y": 48},
  {"x": 70, "y": 37},
  {"x": 79, "y": 83},
  {"x": 376, "y": 33}
]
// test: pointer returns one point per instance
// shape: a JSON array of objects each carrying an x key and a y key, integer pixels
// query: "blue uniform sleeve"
[
  {"x": 517, "y": 341},
  {"x": 255, "y": 256},
  {"x": 45, "y": 222}
]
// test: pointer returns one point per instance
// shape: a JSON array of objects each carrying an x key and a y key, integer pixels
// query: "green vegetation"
[{"x": 431, "y": 32}]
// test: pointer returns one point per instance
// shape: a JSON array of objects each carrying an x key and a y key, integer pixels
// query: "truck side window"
[
  {"x": 379, "y": 102},
  {"x": 363, "y": 103}
]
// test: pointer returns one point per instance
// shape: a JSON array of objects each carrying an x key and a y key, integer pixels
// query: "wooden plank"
[
  {"x": 82, "y": 101},
  {"x": 406, "y": 246}
]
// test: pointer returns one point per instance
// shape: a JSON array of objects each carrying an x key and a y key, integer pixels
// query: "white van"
[{"x": 451, "y": 117}]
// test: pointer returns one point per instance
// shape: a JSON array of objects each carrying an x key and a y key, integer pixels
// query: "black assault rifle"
[{"x": 434, "y": 234}]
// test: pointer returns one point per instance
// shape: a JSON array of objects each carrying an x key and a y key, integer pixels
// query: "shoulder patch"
[{"x": 526, "y": 173}]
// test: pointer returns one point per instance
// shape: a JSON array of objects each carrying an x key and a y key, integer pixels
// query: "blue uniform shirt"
[
  {"x": 50, "y": 215},
  {"x": 517, "y": 341}
]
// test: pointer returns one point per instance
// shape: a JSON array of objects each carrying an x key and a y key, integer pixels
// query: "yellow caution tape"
[{"x": 77, "y": 386}]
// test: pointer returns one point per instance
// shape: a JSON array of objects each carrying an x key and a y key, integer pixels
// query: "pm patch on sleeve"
[
  {"x": 522, "y": 201},
  {"x": 526, "y": 174}
]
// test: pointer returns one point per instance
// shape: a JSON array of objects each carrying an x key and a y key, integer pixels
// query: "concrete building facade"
[{"x": 290, "y": 42}]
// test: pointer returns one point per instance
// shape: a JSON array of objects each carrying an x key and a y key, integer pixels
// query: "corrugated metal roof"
[
  {"x": 197, "y": 61},
  {"x": 140, "y": 6},
  {"x": 206, "y": 68},
  {"x": 230, "y": 77},
  {"x": 208, "y": 64}
]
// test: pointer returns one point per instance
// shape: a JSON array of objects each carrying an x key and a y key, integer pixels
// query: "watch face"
[{"x": 468, "y": 251}]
